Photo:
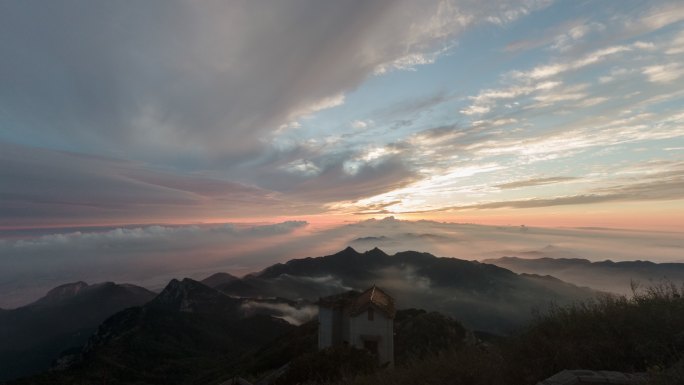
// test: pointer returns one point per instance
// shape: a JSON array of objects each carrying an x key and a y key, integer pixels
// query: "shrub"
[
  {"x": 328, "y": 365},
  {"x": 637, "y": 334}
]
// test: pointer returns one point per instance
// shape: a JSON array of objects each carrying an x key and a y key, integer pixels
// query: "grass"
[{"x": 642, "y": 333}]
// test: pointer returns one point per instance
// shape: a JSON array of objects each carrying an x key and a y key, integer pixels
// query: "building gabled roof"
[
  {"x": 376, "y": 297},
  {"x": 355, "y": 303}
]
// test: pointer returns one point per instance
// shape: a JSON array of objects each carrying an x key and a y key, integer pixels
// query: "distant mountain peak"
[
  {"x": 185, "y": 287},
  {"x": 63, "y": 319},
  {"x": 375, "y": 251},
  {"x": 187, "y": 296},
  {"x": 218, "y": 279},
  {"x": 63, "y": 292},
  {"x": 348, "y": 250}
]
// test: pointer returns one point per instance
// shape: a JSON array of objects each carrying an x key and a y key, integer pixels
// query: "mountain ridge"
[
  {"x": 218, "y": 279},
  {"x": 33, "y": 335},
  {"x": 189, "y": 333},
  {"x": 607, "y": 275},
  {"x": 484, "y": 296},
  {"x": 188, "y": 315}
]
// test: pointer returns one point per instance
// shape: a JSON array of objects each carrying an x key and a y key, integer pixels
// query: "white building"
[{"x": 364, "y": 320}]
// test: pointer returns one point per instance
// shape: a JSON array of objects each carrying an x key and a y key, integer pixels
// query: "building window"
[{"x": 370, "y": 314}]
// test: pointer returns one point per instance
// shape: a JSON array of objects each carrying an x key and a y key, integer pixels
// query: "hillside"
[
  {"x": 642, "y": 334},
  {"x": 190, "y": 333},
  {"x": 32, "y": 336},
  {"x": 418, "y": 335},
  {"x": 615, "y": 277},
  {"x": 194, "y": 333},
  {"x": 483, "y": 296},
  {"x": 219, "y": 279}
]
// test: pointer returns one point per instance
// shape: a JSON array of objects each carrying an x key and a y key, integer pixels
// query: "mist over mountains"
[
  {"x": 609, "y": 276},
  {"x": 182, "y": 181},
  {"x": 481, "y": 296},
  {"x": 198, "y": 331},
  {"x": 150, "y": 256},
  {"x": 193, "y": 334}
]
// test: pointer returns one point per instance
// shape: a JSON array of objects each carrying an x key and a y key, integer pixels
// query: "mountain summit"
[
  {"x": 483, "y": 296},
  {"x": 191, "y": 296},
  {"x": 62, "y": 292},
  {"x": 33, "y": 335},
  {"x": 219, "y": 279}
]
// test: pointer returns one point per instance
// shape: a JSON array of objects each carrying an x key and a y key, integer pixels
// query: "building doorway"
[{"x": 371, "y": 346}]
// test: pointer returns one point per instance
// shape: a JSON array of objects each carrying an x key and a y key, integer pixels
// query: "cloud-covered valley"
[{"x": 31, "y": 264}]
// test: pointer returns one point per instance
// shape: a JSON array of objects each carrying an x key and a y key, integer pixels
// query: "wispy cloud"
[
  {"x": 665, "y": 186},
  {"x": 536, "y": 182},
  {"x": 297, "y": 108},
  {"x": 43, "y": 187},
  {"x": 664, "y": 73}
]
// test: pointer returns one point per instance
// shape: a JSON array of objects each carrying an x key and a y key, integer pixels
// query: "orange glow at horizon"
[
  {"x": 660, "y": 216},
  {"x": 654, "y": 216}
]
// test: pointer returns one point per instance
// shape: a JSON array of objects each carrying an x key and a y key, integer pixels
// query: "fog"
[
  {"x": 152, "y": 255},
  {"x": 293, "y": 314}
]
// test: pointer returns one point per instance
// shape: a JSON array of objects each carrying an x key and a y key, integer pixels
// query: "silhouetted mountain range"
[
  {"x": 606, "y": 275},
  {"x": 33, "y": 335},
  {"x": 483, "y": 296},
  {"x": 187, "y": 333},
  {"x": 194, "y": 333},
  {"x": 219, "y": 279}
]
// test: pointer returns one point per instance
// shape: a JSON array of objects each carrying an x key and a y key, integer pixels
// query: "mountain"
[
  {"x": 219, "y": 279},
  {"x": 33, "y": 335},
  {"x": 606, "y": 275},
  {"x": 483, "y": 296},
  {"x": 190, "y": 296},
  {"x": 188, "y": 334},
  {"x": 193, "y": 333},
  {"x": 162, "y": 343}
]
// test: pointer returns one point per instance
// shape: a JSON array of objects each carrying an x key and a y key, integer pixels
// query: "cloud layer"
[
  {"x": 117, "y": 116},
  {"x": 206, "y": 77},
  {"x": 177, "y": 98},
  {"x": 31, "y": 265}
]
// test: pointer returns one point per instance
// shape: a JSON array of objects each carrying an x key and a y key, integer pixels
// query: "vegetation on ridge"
[{"x": 644, "y": 333}]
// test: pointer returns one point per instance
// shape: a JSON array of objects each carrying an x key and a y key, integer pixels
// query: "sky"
[
  {"x": 555, "y": 113},
  {"x": 130, "y": 117}
]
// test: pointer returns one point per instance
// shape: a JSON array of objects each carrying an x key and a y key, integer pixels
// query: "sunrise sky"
[
  {"x": 146, "y": 140},
  {"x": 551, "y": 113}
]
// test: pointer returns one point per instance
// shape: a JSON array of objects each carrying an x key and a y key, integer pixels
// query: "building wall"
[
  {"x": 344, "y": 321},
  {"x": 338, "y": 328},
  {"x": 381, "y": 326},
  {"x": 325, "y": 327},
  {"x": 333, "y": 327}
]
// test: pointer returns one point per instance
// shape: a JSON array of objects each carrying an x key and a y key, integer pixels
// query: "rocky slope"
[{"x": 32, "y": 336}]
